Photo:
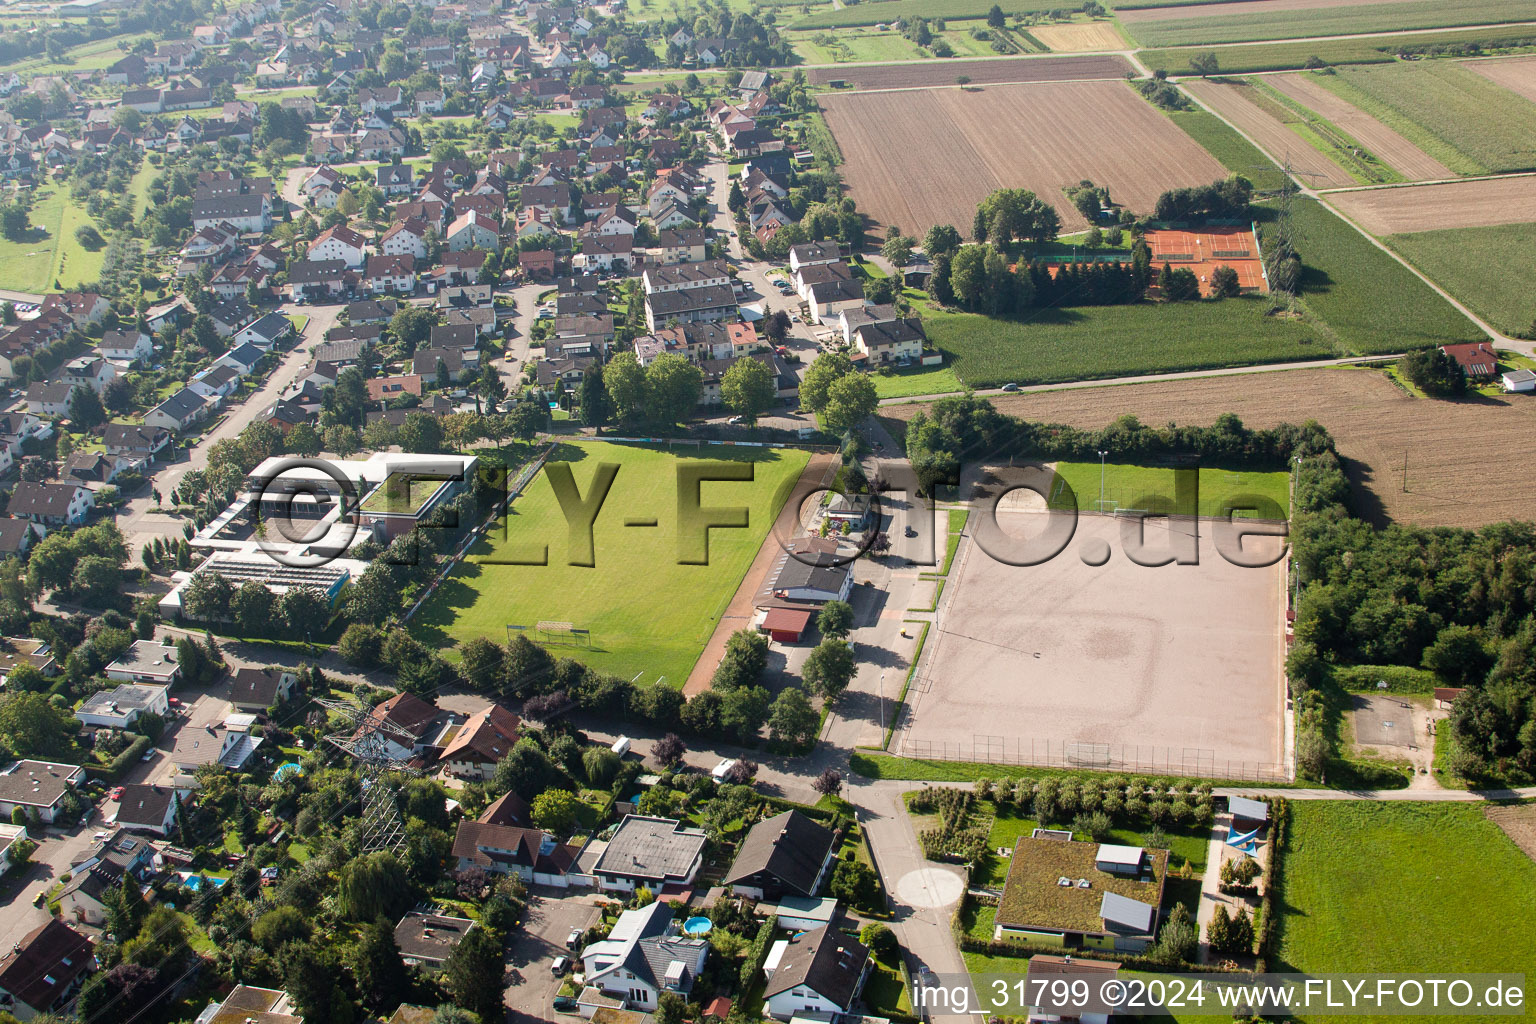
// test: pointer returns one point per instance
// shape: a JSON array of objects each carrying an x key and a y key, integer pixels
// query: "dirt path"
[{"x": 740, "y": 612}]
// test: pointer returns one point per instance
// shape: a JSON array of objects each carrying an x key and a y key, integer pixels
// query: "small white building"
[
  {"x": 1519, "y": 380},
  {"x": 120, "y": 707},
  {"x": 147, "y": 661}
]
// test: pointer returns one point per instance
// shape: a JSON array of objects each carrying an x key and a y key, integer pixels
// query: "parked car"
[
  {"x": 574, "y": 939},
  {"x": 560, "y": 964},
  {"x": 734, "y": 420},
  {"x": 565, "y": 1004},
  {"x": 1010, "y": 387},
  {"x": 116, "y": 794}
]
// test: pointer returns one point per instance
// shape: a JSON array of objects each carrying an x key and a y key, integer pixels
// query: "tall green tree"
[
  {"x": 748, "y": 389},
  {"x": 596, "y": 408},
  {"x": 472, "y": 974}
]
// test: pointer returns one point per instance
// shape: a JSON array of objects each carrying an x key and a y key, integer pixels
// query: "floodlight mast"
[{"x": 369, "y": 743}]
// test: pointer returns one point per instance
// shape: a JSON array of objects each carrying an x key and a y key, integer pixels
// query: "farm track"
[
  {"x": 1373, "y": 422},
  {"x": 1517, "y": 74},
  {"x": 1457, "y": 204},
  {"x": 926, "y": 157},
  {"x": 1387, "y": 145},
  {"x": 1231, "y": 103},
  {"x": 981, "y": 71}
]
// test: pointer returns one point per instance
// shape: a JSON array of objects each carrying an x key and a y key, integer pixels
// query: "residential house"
[
  {"x": 16, "y": 536},
  {"x": 317, "y": 280},
  {"x": 242, "y": 359},
  {"x": 813, "y": 254},
  {"x": 265, "y": 332},
  {"x": 643, "y": 956},
  {"x": 81, "y": 307},
  {"x": 147, "y": 661},
  {"x": 820, "y": 972},
  {"x": 405, "y": 238},
  {"x": 683, "y": 245},
  {"x": 428, "y": 940},
  {"x": 94, "y": 470},
  {"x": 892, "y": 341},
  {"x": 472, "y": 230},
  {"x": 605, "y": 252},
  {"x": 125, "y": 346},
  {"x": 458, "y": 363},
  {"x": 249, "y": 213},
  {"x": 1477, "y": 359},
  {"x": 178, "y": 412},
  {"x": 141, "y": 443},
  {"x": 258, "y": 689},
  {"x": 121, "y": 706},
  {"x": 44, "y": 970},
  {"x": 49, "y": 398},
  {"x": 38, "y": 787},
  {"x": 215, "y": 383},
  {"x": 480, "y": 743},
  {"x": 339, "y": 242},
  {"x": 685, "y": 305},
  {"x": 391, "y": 274},
  {"x": 829, "y": 298},
  {"x": 413, "y": 724},
  {"x": 50, "y": 504},
  {"x": 147, "y": 809},
  {"x": 789, "y": 854},
  {"x": 1110, "y": 901},
  {"x": 650, "y": 852}
]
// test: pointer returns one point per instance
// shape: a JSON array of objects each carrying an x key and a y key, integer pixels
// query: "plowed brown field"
[
  {"x": 1517, "y": 74},
  {"x": 1401, "y": 155},
  {"x": 1232, "y": 102},
  {"x": 925, "y": 157},
  {"x": 1456, "y": 204},
  {"x": 986, "y": 71},
  {"x": 1459, "y": 453}
]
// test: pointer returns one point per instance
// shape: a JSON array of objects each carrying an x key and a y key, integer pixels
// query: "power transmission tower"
[
  {"x": 1282, "y": 240},
  {"x": 369, "y": 743}
]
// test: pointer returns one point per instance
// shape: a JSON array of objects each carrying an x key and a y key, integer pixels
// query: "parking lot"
[{"x": 531, "y": 986}]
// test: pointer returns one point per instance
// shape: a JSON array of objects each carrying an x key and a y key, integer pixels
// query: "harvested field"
[
  {"x": 1234, "y": 103},
  {"x": 1373, "y": 422},
  {"x": 1095, "y": 35},
  {"x": 1518, "y": 822},
  {"x": 1401, "y": 155},
  {"x": 995, "y": 71},
  {"x": 1294, "y": 19},
  {"x": 1180, "y": 12},
  {"x": 926, "y": 157},
  {"x": 1517, "y": 74},
  {"x": 1456, "y": 204}
]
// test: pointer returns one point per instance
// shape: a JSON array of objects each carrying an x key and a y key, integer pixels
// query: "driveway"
[
  {"x": 19, "y": 887},
  {"x": 549, "y": 919}
]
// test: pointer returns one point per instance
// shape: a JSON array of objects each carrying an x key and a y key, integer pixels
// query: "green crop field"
[
  {"x": 890, "y": 11},
  {"x": 1112, "y": 341},
  {"x": 647, "y": 613},
  {"x": 1230, "y": 149},
  {"x": 1370, "y": 302},
  {"x": 1326, "y": 21},
  {"x": 1456, "y": 116},
  {"x": 1490, "y": 269},
  {"x": 1370, "y": 50},
  {"x": 1359, "y": 877},
  {"x": 1127, "y": 486}
]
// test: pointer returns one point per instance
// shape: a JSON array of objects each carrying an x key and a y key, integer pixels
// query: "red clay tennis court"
[{"x": 1208, "y": 248}]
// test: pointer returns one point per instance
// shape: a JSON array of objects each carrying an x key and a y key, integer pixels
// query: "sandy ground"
[
  {"x": 1122, "y": 665},
  {"x": 1518, "y": 822},
  {"x": 1456, "y": 204}
]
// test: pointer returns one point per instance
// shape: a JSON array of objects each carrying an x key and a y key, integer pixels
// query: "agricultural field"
[
  {"x": 1359, "y": 874},
  {"x": 1401, "y": 155},
  {"x": 1517, "y": 74},
  {"x": 1456, "y": 116},
  {"x": 821, "y": 46},
  {"x": 50, "y": 252},
  {"x": 1374, "y": 422},
  {"x": 1235, "y": 153},
  {"x": 895, "y": 10},
  {"x": 926, "y": 157},
  {"x": 1245, "y": 108},
  {"x": 1255, "y": 20},
  {"x": 1370, "y": 302},
  {"x": 1115, "y": 341},
  {"x": 633, "y": 627},
  {"x": 1489, "y": 268},
  {"x": 994, "y": 71},
  {"x": 1079, "y": 37},
  {"x": 1364, "y": 50},
  {"x": 1458, "y": 204}
]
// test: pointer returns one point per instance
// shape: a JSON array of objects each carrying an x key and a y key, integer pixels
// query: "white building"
[{"x": 120, "y": 707}]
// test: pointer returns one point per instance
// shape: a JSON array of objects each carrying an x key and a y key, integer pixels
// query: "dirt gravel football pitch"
[
  {"x": 1118, "y": 666},
  {"x": 1456, "y": 204},
  {"x": 924, "y": 157},
  {"x": 1373, "y": 422},
  {"x": 984, "y": 71},
  {"x": 1397, "y": 152}
]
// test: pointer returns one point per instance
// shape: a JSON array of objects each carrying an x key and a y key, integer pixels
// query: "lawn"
[
  {"x": 647, "y": 613},
  {"x": 1371, "y": 50},
  {"x": 50, "y": 252},
  {"x": 1490, "y": 269},
  {"x": 1344, "y": 19},
  {"x": 1370, "y": 302},
  {"x": 1230, "y": 149},
  {"x": 1092, "y": 342},
  {"x": 1361, "y": 877},
  {"x": 1129, "y": 486},
  {"x": 918, "y": 380},
  {"x": 1456, "y": 116}
]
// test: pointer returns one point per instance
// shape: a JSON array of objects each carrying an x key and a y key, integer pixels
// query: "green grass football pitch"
[
  {"x": 1128, "y": 487},
  {"x": 646, "y": 613}
]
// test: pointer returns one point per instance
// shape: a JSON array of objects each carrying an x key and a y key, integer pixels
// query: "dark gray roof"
[
  {"x": 826, "y": 961},
  {"x": 710, "y": 296},
  {"x": 181, "y": 405},
  {"x": 1122, "y": 913},
  {"x": 227, "y": 206},
  {"x": 811, "y": 570},
  {"x": 31, "y": 498},
  {"x": 836, "y": 291},
  {"x": 430, "y": 937},
  {"x": 246, "y": 355},
  {"x": 254, "y": 686},
  {"x": 315, "y": 271},
  {"x": 13, "y": 534},
  {"x": 336, "y": 351},
  {"x": 133, "y": 435},
  {"x": 650, "y": 848},
  {"x": 35, "y": 783},
  {"x": 890, "y": 332},
  {"x": 144, "y": 805},
  {"x": 270, "y": 326},
  {"x": 684, "y": 273},
  {"x": 790, "y": 846}
]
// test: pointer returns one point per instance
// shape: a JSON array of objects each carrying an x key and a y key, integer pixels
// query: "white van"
[
  {"x": 620, "y": 746},
  {"x": 723, "y": 769}
]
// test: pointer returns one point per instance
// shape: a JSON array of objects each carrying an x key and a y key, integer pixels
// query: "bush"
[{"x": 880, "y": 940}]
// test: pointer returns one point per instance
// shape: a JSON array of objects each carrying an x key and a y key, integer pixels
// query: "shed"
[
  {"x": 1248, "y": 810},
  {"x": 1118, "y": 860},
  {"x": 786, "y": 625},
  {"x": 1445, "y": 696},
  {"x": 1520, "y": 380},
  {"x": 1123, "y": 913}
]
